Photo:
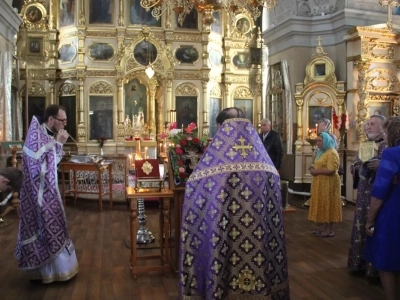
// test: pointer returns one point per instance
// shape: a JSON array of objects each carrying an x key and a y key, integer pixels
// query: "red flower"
[
  {"x": 181, "y": 163},
  {"x": 335, "y": 120},
  {"x": 183, "y": 143},
  {"x": 178, "y": 151},
  {"x": 343, "y": 122},
  {"x": 182, "y": 175},
  {"x": 196, "y": 141},
  {"x": 172, "y": 126}
]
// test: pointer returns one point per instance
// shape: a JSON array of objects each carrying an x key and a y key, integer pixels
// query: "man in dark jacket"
[{"x": 272, "y": 143}]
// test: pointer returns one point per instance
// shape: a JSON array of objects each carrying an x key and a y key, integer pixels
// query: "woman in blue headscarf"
[{"x": 326, "y": 203}]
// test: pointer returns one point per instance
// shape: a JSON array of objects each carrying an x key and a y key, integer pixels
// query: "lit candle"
[{"x": 316, "y": 128}]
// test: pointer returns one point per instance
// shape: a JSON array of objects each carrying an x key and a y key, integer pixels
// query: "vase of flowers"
[
  {"x": 101, "y": 141},
  {"x": 185, "y": 151}
]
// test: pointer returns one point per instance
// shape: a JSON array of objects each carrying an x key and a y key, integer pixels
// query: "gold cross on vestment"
[
  {"x": 243, "y": 147},
  {"x": 390, "y": 4}
]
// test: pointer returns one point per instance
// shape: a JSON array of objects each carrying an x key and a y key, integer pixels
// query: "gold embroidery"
[
  {"x": 147, "y": 168},
  {"x": 242, "y": 147}
]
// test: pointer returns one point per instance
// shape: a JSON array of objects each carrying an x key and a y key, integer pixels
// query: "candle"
[
  {"x": 316, "y": 128},
  {"x": 145, "y": 152}
]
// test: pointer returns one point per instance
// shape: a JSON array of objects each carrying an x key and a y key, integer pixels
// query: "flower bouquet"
[
  {"x": 341, "y": 125},
  {"x": 186, "y": 148}
]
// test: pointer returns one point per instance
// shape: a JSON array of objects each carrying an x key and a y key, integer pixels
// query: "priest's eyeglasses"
[{"x": 61, "y": 120}]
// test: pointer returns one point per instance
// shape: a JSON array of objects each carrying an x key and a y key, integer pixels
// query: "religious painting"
[
  {"x": 255, "y": 56},
  {"x": 69, "y": 103},
  {"x": 145, "y": 52},
  {"x": 67, "y": 12},
  {"x": 319, "y": 70},
  {"x": 316, "y": 114},
  {"x": 139, "y": 15},
  {"x": 190, "y": 20},
  {"x": 215, "y": 108},
  {"x": 135, "y": 100},
  {"x": 101, "y": 11},
  {"x": 243, "y": 25},
  {"x": 67, "y": 53},
  {"x": 186, "y": 110},
  {"x": 101, "y": 51},
  {"x": 216, "y": 26},
  {"x": 383, "y": 108},
  {"x": 187, "y": 54},
  {"x": 33, "y": 13},
  {"x": 101, "y": 117},
  {"x": 215, "y": 57},
  {"x": 246, "y": 105},
  {"x": 35, "y": 46},
  {"x": 241, "y": 60}
]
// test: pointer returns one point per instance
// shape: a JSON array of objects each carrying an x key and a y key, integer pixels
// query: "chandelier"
[{"x": 207, "y": 7}]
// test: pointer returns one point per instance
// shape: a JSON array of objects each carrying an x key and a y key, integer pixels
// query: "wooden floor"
[{"x": 317, "y": 266}]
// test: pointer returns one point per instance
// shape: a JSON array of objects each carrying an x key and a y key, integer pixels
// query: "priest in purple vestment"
[
  {"x": 232, "y": 236},
  {"x": 364, "y": 175},
  {"x": 44, "y": 248}
]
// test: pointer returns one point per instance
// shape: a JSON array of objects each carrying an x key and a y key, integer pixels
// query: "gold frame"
[
  {"x": 72, "y": 59},
  {"x": 38, "y": 42},
  {"x": 249, "y": 21},
  {"x": 100, "y": 60},
  {"x": 187, "y": 46},
  {"x": 37, "y": 21}
]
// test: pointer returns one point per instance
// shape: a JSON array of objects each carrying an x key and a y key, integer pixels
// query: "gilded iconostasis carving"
[{"x": 95, "y": 57}]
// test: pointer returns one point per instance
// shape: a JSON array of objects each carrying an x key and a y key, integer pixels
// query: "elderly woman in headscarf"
[
  {"x": 325, "y": 125},
  {"x": 326, "y": 203},
  {"x": 382, "y": 247}
]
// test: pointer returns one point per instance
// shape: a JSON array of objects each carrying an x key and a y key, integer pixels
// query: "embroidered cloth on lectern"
[{"x": 232, "y": 236}]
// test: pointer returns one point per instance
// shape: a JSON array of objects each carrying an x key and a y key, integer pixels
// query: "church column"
[
  {"x": 120, "y": 111},
  {"x": 206, "y": 101},
  {"x": 121, "y": 20},
  {"x": 226, "y": 101},
  {"x": 81, "y": 122},
  {"x": 52, "y": 14},
  {"x": 51, "y": 92},
  {"x": 152, "y": 114},
  {"x": 362, "y": 105},
  {"x": 169, "y": 104}
]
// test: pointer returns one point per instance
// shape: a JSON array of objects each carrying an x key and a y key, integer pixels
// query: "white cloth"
[{"x": 62, "y": 268}]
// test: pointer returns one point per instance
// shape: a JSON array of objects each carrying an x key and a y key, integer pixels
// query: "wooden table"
[
  {"x": 94, "y": 185},
  {"x": 165, "y": 197}
]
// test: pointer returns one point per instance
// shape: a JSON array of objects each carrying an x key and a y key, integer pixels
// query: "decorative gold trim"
[
  {"x": 243, "y": 93},
  {"x": 34, "y": 15},
  {"x": 66, "y": 89},
  {"x": 216, "y": 92},
  {"x": 101, "y": 87},
  {"x": 186, "y": 89}
]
